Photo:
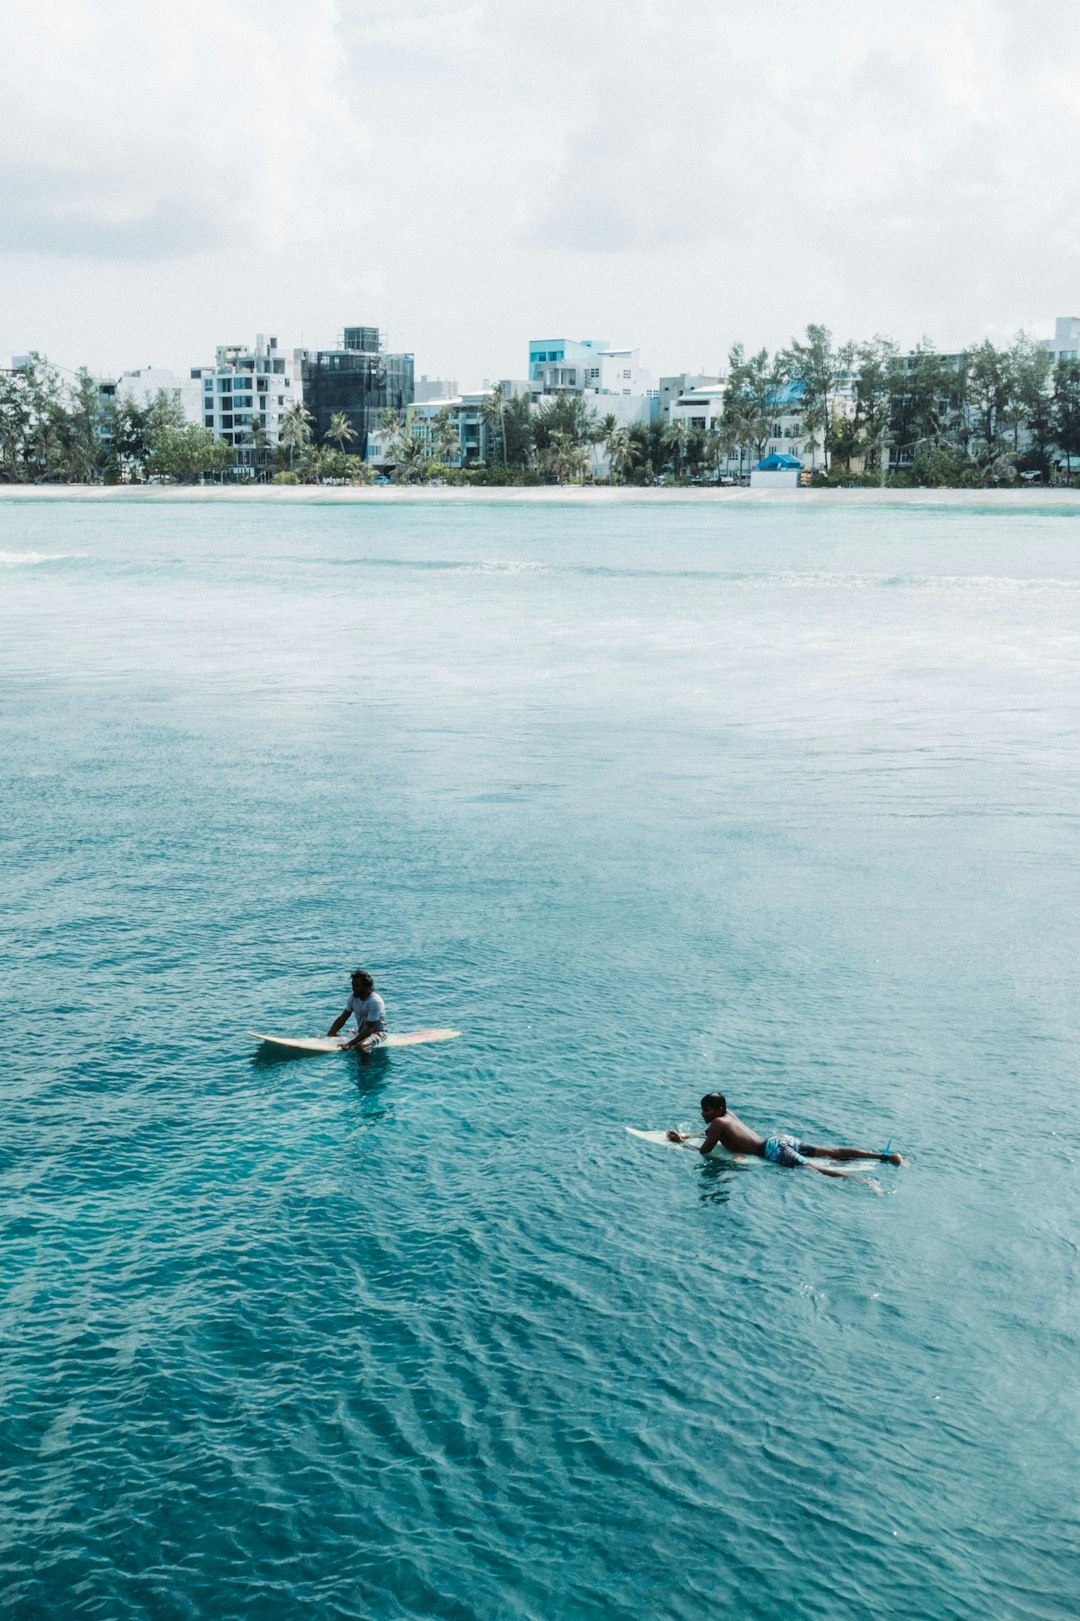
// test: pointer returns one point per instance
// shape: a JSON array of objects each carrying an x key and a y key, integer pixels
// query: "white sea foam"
[
  {"x": 28, "y": 559},
  {"x": 505, "y": 566},
  {"x": 804, "y": 579}
]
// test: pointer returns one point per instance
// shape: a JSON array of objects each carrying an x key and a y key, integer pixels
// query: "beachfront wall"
[{"x": 776, "y": 472}]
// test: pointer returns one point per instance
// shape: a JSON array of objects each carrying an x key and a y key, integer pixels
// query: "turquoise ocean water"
[{"x": 780, "y": 800}]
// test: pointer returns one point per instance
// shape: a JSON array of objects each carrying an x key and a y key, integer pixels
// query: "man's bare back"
[
  {"x": 725, "y": 1128},
  {"x": 728, "y": 1130}
]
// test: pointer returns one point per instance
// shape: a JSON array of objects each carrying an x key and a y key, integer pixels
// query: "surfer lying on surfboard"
[
  {"x": 721, "y": 1126},
  {"x": 367, "y": 1007}
]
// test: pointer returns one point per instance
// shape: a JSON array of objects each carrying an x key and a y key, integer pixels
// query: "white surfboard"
[
  {"x": 328, "y": 1044},
  {"x": 664, "y": 1141}
]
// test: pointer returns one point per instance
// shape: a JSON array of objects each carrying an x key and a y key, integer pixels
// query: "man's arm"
[
  {"x": 709, "y": 1140},
  {"x": 338, "y": 1022}
]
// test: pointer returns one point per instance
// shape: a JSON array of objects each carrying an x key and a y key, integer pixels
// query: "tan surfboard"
[{"x": 325, "y": 1044}]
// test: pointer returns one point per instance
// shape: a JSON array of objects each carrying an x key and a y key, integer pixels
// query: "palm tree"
[
  {"x": 447, "y": 436},
  {"x": 259, "y": 440},
  {"x": 617, "y": 448},
  {"x": 493, "y": 412},
  {"x": 341, "y": 430},
  {"x": 564, "y": 457},
  {"x": 294, "y": 430},
  {"x": 410, "y": 459},
  {"x": 675, "y": 439},
  {"x": 717, "y": 448}
]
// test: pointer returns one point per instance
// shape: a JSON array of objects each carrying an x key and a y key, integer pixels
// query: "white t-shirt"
[{"x": 368, "y": 1010}]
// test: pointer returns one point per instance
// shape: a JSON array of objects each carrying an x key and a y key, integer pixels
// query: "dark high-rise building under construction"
[{"x": 360, "y": 379}]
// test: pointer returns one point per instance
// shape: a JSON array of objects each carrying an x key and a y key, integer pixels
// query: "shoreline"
[{"x": 565, "y": 495}]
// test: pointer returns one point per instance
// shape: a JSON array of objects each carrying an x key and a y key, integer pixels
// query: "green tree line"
[
  {"x": 860, "y": 411},
  {"x": 985, "y": 416},
  {"x": 563, "y": 439},
  {"x": 61, "y": 431}
]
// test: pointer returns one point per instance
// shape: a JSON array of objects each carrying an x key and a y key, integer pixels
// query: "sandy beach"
[{"x": 564, "y": 495}]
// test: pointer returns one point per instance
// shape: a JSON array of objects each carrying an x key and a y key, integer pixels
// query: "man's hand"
[{"x": 674, "y": 1137}]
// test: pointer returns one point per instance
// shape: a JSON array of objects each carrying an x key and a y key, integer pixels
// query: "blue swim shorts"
[{"x": 783, "y": 1151}]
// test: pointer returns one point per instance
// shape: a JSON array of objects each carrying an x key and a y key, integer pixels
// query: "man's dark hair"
[
  {"x": 715, "y": 1102},
  {"x": 367, "y": 984}
]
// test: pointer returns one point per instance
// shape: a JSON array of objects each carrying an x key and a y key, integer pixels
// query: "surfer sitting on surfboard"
[
  {"x": 369, "y": 1010},
  {"x": 721, "y": 1126}
]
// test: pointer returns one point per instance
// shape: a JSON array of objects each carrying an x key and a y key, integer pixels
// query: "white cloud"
[
  {"x": 467, "y": 172},
  {"x": 138, "y": 129}
]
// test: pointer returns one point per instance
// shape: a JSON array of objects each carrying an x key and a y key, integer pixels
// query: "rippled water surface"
[{"x": 780, "y": 800}]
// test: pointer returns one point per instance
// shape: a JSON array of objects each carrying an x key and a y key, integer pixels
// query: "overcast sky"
[{"x": 467, "y": 174}]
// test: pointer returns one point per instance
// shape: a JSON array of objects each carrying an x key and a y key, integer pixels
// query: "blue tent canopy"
[{"x": 774, "y": 464}]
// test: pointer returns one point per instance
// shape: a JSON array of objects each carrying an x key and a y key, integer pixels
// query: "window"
[
  {"x": 209, "y": 421},
  {"x": 626, "y": 374},
  {"x": 626, "y": 391},
  {"x": 226, "y": 422},
  {"x": 224, "y": 385}
]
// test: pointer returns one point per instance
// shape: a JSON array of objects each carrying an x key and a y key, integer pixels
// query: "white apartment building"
[
  {"x": 435, "y": 388},
  {"x": 142, "y": 388},
  {"x": 703, "y": 408},
  {"x": 144, "y": 385},
  {"x": 685, "y": 382},
  {"x": 477, "y": 440},
  {"x": 247, "y": 386},
  {"x": 1065, "y": 344},
  {"x": 466, "y": 414},
  {"x": 613, "y": 380}
]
